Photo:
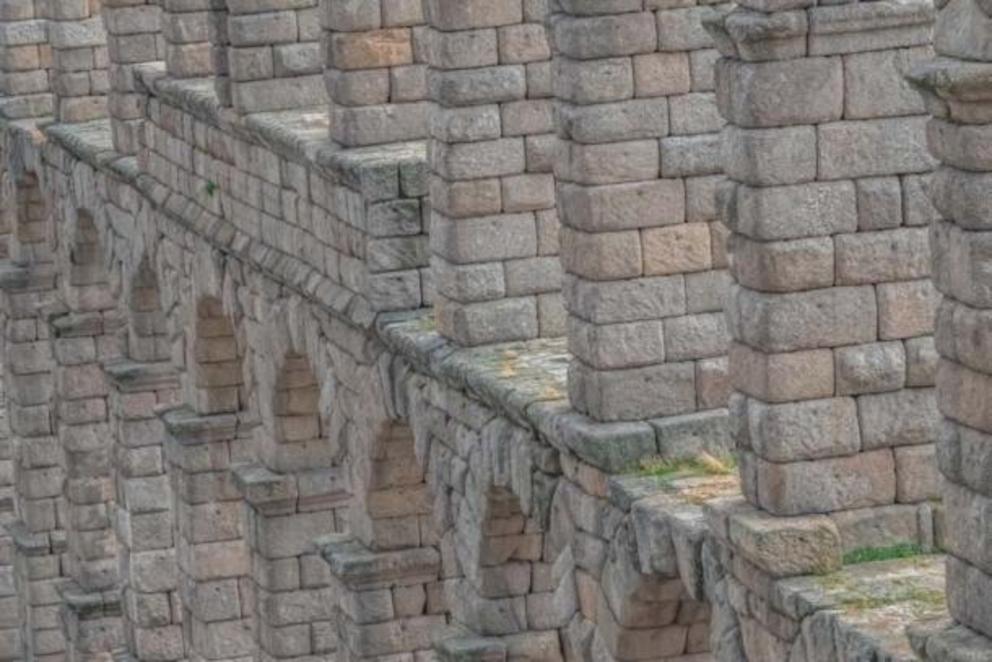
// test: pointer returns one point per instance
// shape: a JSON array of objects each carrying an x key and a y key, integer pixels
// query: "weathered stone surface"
[
  {"x": 820, "y": 486},
  {"x": 785, "y": 547}
]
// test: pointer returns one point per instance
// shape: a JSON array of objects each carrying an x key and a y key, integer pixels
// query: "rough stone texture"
[
  {"x": 134, "y": 37},
  {"x": 79, "y": 72},
  {"x": 238, "y": 431},
  {"x": 376, "y": 69},
  {"x": 816, "y": 279},
  {"x": 824, "y": 146},
  {"x": 957, "y": 94},
  {"x": 26, "y": 82},
  {"x": 631, "y": 117},
  {"x": 492, "y": 195}
]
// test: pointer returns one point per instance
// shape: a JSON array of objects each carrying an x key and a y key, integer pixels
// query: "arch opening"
[
  {"x": 217, "y": 371},
  {"x": 147, "y": 340}
]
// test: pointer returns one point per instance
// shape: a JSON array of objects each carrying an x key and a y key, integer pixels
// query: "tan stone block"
[
  {"x": 962, "y": 395},
  {"x": 712, "y": 383},
  {"x": 601, "y": 255},
  {"x": 783, "y": 266},
  {"x": 661, "y": 74},
  {"x": 822, "y": 486},
  {"x": 786, "y": 547},
  {"x": 784, "y": 377},
  {"x": 370, "y": 50},
  {"x": 917, "y": 478},
  {"x": 676, "y": 249},
  {"x": 906, "y": 309}
]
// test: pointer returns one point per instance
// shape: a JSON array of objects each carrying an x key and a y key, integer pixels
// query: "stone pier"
[
  {"x": 493, "y": 222},
  {"x": 831, "y": 309},
  {"x": 959, "y": 94},
  {"x": 636, "y": 173},
  {"x": 376, "y": 70}
]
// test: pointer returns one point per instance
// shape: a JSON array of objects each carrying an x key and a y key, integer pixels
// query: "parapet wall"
[{"x": 380, "y": 330}]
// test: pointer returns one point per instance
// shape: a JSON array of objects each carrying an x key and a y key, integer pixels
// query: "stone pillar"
[
  {"x": 145, "y": 526},
  {"x": 133, "y": 37},
  {"x": 213, "y": 560},
  {"x": 37, "y": 535},
  {"x": 375, "y": 70},
  {"x": 91, "y": 610},
  {"x": 492, "y": 221},
  {"x": 79, "y": 60},
  {"x": 636, "y": 171},
  {"x": 186, "y": 29},
  {"x": 273, "y": 56},
  {"x": 25, "y": 83},
  {"x": 384, "y": 571},
  {"x": 10, "y": 622},
  {"x": 958, "y": 87},
  {"x": 27, "y": 281},
  {"x": 831, "y": 309},
  {"x": 286, "y": 513},
  {"x": 382, "y": 608}
]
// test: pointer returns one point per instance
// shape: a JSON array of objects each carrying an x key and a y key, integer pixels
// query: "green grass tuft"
[
  {"x": 869, "y": 554},
  {"x": 702, "y": 465}
]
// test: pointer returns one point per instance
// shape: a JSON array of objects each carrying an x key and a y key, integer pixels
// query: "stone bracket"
[
  {"x": 134, "y": 377},
  {"x": 361, "y": 569},
  {"x": 186, "y": 427}
]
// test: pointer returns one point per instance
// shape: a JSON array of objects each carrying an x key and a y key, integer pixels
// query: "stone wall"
[{"x": 388, "y": 330}]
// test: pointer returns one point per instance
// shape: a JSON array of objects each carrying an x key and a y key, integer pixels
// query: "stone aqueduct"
[{"x": 409, "y": 330}]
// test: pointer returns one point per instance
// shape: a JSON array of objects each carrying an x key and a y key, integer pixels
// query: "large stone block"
[
  {"x": 609, "y": 35},
  {"x": 830, "y": 317},
  {"x": 785, "y": 547},
  {"x": 632, "y": 394},
  {"x": 771, "y": 157},
  {"x": 900, "y": 418},
  {"x": 968, "y": 589},
  {"x": 785, "y": 93},
  {"x": 822, "y": 486},
  {"x": 805, "y": 430},
  {"x": 790, "y": 212},
  {"x": 782, "y": 377},
  {"x": 869, "y": 148}
]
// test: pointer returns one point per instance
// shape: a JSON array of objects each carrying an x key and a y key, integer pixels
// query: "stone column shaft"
[
  {"x": 213, "y": 559},
  {"x": 831, "y": 309},
  {"x": 38, "y": 537},
  {"x": 186, "y": 26},
  {"x": 26, "y": 82},
  {"x": 958, "y": 88},
  {"x": 91, "y": 601},
  {"x": 635, "y": 170},
  {"x": 286, "y": 514},
  {"x": 133, "y": 37},
  {"x": 144, "y": 525},
  {"x": 80, "y": 78},
  {"x": 492, "y": 221},
  {"x": 375, "y": 71},
  {"x": 273, "y": 55}
]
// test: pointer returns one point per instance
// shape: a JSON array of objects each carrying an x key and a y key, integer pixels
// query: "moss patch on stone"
[
  {"x": 876, "y": 590},
  {"x": 870, "y": 554}
]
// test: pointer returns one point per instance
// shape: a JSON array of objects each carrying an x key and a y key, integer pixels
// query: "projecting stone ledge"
[
  {"x": 669, "y": 521},
  {"x": 867, "y": 611},
  {"x": 872, "y": 607},
  {"x": 526, "y": 383}
]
